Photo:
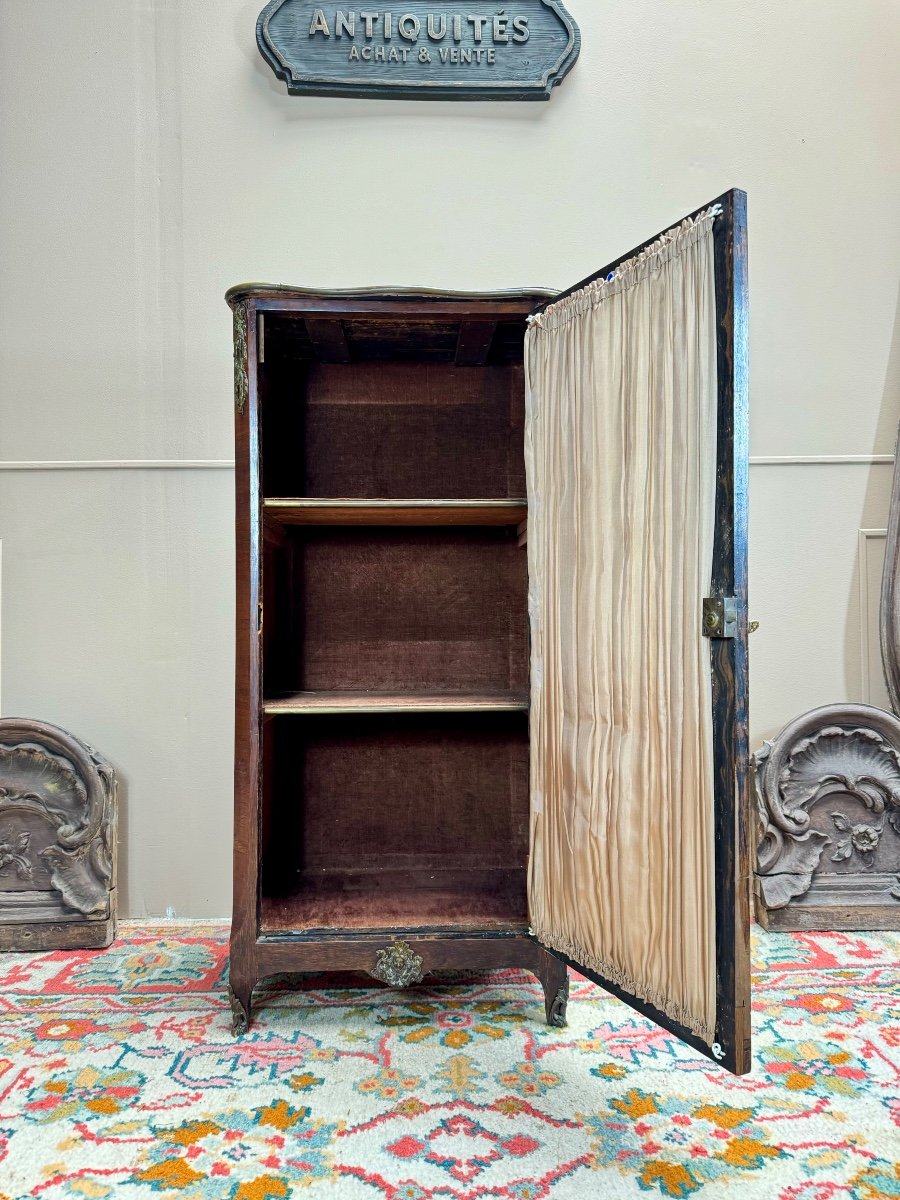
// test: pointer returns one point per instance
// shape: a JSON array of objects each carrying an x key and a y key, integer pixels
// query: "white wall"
[{"x": 150, "y": 160}]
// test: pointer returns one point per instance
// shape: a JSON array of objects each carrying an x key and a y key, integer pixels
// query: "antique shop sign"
[{"x": 416, "y": 51}]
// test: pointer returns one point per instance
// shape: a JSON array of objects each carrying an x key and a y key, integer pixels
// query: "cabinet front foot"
[
  {"x": 554, "y": 976},
  {"x": 240, "y": 1008},
  {"x": 558, "y": 1007}
]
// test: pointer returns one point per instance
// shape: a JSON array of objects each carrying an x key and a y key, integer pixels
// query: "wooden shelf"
[
  {"x": 337, "y": 703},
  {"x": 303, "y": 511},
  {"x": 484, "y": 900}
]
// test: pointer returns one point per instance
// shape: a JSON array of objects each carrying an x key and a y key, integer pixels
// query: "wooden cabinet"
[{"x": 382, "y": 793}]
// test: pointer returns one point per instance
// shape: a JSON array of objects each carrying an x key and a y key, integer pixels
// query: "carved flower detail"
[
  {"x": 12, "y": 854},
  {"x": 863, "y": 839}
]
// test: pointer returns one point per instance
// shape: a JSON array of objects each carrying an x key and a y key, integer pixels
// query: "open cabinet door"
[{"x": 636, "y": 445}]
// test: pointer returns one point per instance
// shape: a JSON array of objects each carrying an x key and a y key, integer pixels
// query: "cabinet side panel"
[{"x": 247, "y": 774}]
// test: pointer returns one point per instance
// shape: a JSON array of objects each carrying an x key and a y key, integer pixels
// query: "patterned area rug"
[{"x": 119, "y": 1077}]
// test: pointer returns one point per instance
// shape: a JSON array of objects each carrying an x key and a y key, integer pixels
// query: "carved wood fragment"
[
  {"x": 57, "y": 840},
  {"x": 828, "y": 795}
]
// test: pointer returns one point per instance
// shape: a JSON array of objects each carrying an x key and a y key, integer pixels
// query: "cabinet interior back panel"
[
  {"x": 405, "y": 609},
  {"x": 394, "y": 812},
  {"x": 395, "y": 430}
]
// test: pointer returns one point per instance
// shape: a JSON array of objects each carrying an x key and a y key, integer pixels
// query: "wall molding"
[
  {"x": 122, "y": 464},
  {"x": 227, "y": 464},
  {"x": 815, "y": 460}
]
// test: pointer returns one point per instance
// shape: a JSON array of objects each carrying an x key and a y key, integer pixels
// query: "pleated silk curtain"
[{"x": 621, "y": 455}]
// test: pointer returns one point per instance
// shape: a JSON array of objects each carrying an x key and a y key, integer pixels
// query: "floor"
[{"x": 119, "y": 1077}]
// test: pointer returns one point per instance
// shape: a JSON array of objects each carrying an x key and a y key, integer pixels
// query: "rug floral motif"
[{"x": 119, "y": 1077}]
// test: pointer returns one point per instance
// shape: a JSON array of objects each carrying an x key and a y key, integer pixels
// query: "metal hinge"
[{"x": 720, "y": 617}]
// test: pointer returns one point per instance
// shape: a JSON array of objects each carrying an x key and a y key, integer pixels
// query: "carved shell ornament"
[
  {"x": 855, "y": 761},
  {"x": 32, "y": 778},
  {"x": 841, "y": 750},
  {"x": 50, "y": 778}
]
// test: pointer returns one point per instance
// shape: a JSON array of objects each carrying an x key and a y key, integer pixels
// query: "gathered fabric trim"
[
  {"x": 628, "y": 274},
  {"x": 607, "y": 970}
]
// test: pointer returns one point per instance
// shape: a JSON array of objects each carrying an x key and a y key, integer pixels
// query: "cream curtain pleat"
[{"x": 621, "y": 456}]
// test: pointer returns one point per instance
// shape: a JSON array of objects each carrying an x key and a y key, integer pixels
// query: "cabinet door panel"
[{"x": 637, "y": 475}]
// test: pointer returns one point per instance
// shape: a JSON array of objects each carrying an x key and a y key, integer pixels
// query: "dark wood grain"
[
  {"x": 248, "y": 683},
  {"x": 729, "y": 657},
  {"x": 474, "y": 343},
  {"x": 441, "y": 950},
  {"x": 329, "y": 340},
  {"x": 421, "y": 305},
  {"x": 395, "y": 512}
]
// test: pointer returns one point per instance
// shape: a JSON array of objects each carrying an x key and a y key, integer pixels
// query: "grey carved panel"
[
  {"x": 57, "y": 839},
  {"x": 828, "y": 794}
]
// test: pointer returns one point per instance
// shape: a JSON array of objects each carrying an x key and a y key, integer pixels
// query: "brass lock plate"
[
  {"x": 720, "y": 617},
  {"x": 398, "y": 966}
]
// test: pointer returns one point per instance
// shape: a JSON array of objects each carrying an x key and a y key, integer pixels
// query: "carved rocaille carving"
[
  {"x": 57, "y": 836},
  {"x": 828, "y": 792},
  {"x": 241, "y": 369}
]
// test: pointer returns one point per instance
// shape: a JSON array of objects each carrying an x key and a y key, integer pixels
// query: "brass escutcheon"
[{"x": 398, "y": 966}]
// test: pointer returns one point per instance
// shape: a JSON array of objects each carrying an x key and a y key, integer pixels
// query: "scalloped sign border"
[{"x": 420, "y": 51}]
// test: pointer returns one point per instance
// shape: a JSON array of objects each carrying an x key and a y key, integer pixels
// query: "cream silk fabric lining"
[{"x": 621, "y": 456}]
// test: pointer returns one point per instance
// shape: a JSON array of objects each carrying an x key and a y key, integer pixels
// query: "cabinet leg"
[
  {"x": 239, "y": 994},
  {"x": 554, "y": 976}
]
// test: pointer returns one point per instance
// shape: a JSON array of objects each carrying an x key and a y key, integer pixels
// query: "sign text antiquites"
[{"x": 479, "y": 51}]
